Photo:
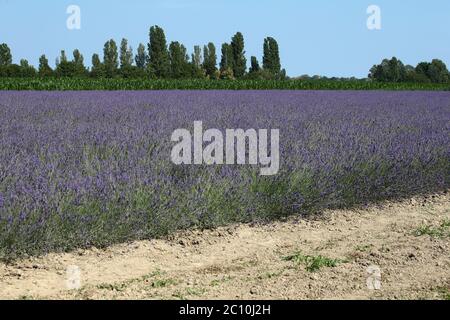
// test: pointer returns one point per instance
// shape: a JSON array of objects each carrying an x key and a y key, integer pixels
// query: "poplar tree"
[
  {"x": 178, "y": 60},
  {"x": 26, "y": 70},
  {"x": 210, "y": 60},
  {"x": 63, "y": 57},
  {"x": 44, "y": 68},
  {"x": 110, "y": 58},
  {"x": 271, "y": 58},
  {"x": 254, "y": 65},
  {"x": 141, "y": 57},
  {"x": 78, "y": 62},
  {"x": 5, "y": 55},
  {"x": 239, "y": 60},
  {"x": 197, "y": 57},
  {"x": 158, "y": 53},
  {"x": 226, "y": 61},
  {"x": 126, "y": 54},
  {"x": 97, "y": 66}
]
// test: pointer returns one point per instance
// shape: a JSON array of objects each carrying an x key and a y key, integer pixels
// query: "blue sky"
[{"x": 326, "y": 37}]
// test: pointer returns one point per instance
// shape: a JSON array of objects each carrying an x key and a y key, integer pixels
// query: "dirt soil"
[{"x": 394, "y": 251}]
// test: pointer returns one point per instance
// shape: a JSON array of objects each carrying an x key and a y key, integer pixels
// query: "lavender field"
[{"x": 80, "y": 169}]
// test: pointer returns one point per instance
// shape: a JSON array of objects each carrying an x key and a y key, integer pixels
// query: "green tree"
[
  {"x": 141, "y": 57},
  {"x": 227, "y": 74},
  {"x": 26, "y": 70},
  {"x": 97, "y": 69},
  {"x": 255, "y": 68},
  {"x": 255, "y": 71},
  {"x": 110, "y": 58},
  {"x": 5, "y": 55},
  {"x": 158, "y": 53},
  {"x": 422, "y": 69},
  {"x": 196, "y": 63},
  {"x": 389, "y": 71},
  {"x": 78, "y": 57},
  {"x": 197, "y": 57},
  {"x": 437, "y": 71},
  {"x": 44, "y": 68},
  {"x": 126, "y": 54},
  {"x": 271, "y": 58},
  {"x": 377, "y": 72},
  {"x": 396, "y": 70},
  {"x": 78, "y": 60},
  {"x": 12, "y": 70},
  {"x": 65, "y": 68},
  {"x": 226, "y": 62},
  {"x": 239, "y": 60},
  {"x": 63, "y": 57},
  {"x": 210, "y": 60},
  {"x": 178, "y": 61}
]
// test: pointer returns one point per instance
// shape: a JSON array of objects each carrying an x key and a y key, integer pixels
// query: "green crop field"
[{"x": 204, "y": 84}]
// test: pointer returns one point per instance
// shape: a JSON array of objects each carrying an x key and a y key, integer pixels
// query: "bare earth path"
[{"x": 407, "y": 242}]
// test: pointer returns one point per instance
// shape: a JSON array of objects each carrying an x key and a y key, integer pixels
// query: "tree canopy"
[
  {"x": 394, "y": 70},
  {"x": 158, "y": 60}
]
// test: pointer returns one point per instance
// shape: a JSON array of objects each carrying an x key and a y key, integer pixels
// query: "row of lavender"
[{"x": 93, "y": 168}]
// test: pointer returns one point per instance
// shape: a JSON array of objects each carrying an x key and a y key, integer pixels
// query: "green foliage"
[
  {"x": 179, "y": 64},
  {"x": 63, "y": 57},
  {"x": 226, "y": 74},
  {"x": 258, "y": 73},
  {"x": 141, "y": 57},
  {"x": 441, "y": 231},
  {"x": 271, "y": 59},
  {"x": 163, "y": 62},
  {"x": 422, "y": 69},
  {"x": 254, "y": 65},
  {"x": 161, "y": 283},
  {"x": 227, "y": 60},
  {"x": 158, "y": 53},
  {"x": 239, "y": 60},
  {"x": 146, "y": 83},
  {"x": 44, "y": 68},
  {"x": 436, "y": 71},
  {"x": 133, "y": 72},
  {"x": 78, "y": 61},
  {"x": 394, "y": 71},
  {"x": 412, "y": 76},
  {"x": 12, "y": 70},
  {"x": 110, "y": 58},
  {"x": 26, "y": 70},
  {"x": 5, "y": 55},
  {"x": 312, "y": 263},
  {"x": 64, "y": 68},
  {"x": 196, "y": 68},
  {"x": 197, "y": 57},
  {"x": 444, "y": 292},
  {"x": 97, "y": 70},
  {"x": 126, "y": 55},
  {"x": 74, "y": 68},
  {"x": 210, "y": 60},
  {"x": 389, "y": 71}
]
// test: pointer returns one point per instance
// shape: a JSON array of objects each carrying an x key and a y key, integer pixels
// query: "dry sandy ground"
[{"x": 380, "y": 246}]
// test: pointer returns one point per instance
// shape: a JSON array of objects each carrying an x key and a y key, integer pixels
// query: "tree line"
[
  {"x": 394, "y": 70},
  {"x": 158, "y": 60}
]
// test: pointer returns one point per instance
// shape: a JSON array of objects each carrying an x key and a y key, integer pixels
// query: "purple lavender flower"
[{"x": 94, "y": 167}]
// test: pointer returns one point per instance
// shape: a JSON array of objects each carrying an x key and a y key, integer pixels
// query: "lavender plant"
[{"x": 80, "y": 169}]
